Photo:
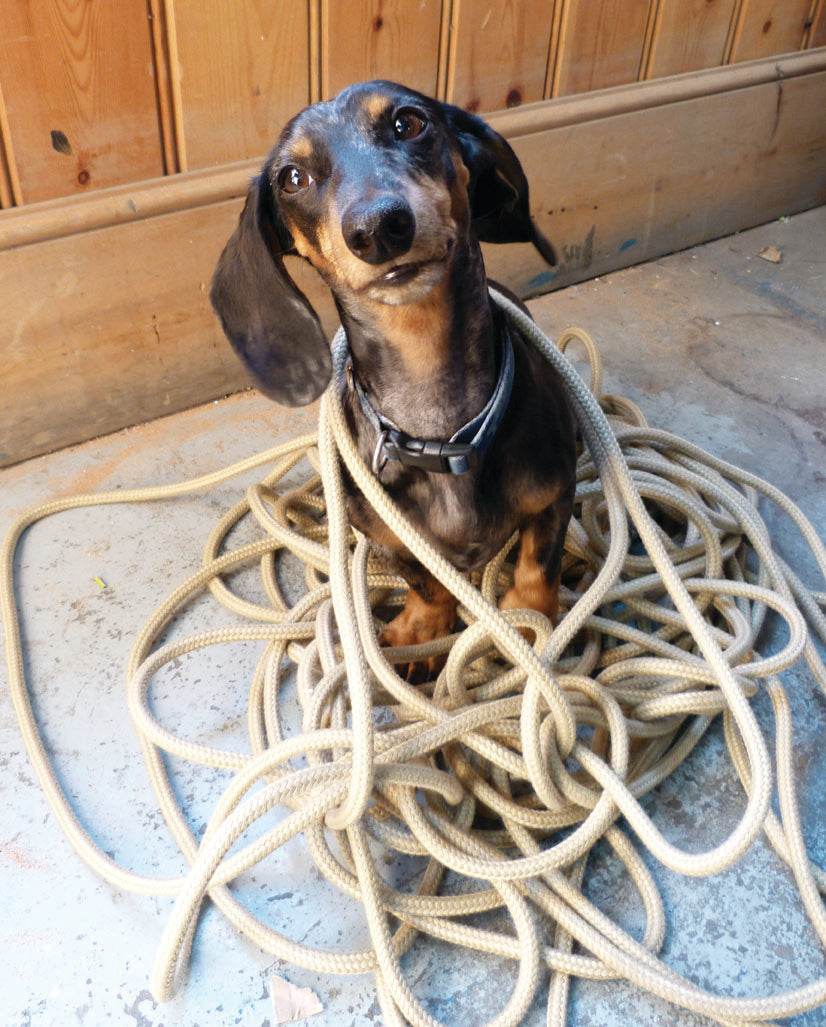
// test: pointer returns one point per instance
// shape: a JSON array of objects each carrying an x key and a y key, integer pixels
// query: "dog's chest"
[{"x": 466, "y": 526}]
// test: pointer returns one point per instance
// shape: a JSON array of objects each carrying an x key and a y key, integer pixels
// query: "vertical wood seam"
[
  {"x": 315, "y": 84},
  {"x": 553, "y": 50},
  {"x": 564, "y": 25},
  {"x": 444, "y": 65},
  {"x": 653, "y": 31},
  {"x": 447, "y": 44},
  {"x": 175, "y": 83},
  {"x": 163, "y": 97},
  {"x": 738, "y": 17},
  {"x": 11, "y": 194},
  {"x": 324, "y": 49}
]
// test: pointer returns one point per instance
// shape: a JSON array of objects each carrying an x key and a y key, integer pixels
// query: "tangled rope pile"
[{"x": 519, "y": 757}]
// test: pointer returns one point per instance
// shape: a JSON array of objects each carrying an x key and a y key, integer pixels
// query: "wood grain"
[
  {"x": 601, "y": 44},
  {"x": 688, "y": 35},
  {"x": 367, "y": 39},
  {"x": 243, "y": 73},
  {"x": 501, "y": 53},
  {"x": 79, "y": 92},
  {"x": 769, "y": 27}
]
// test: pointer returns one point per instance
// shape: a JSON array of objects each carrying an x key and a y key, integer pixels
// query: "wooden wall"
[
  {"x": 97, "y": 93},
  {"x": 129, "y": 130}
]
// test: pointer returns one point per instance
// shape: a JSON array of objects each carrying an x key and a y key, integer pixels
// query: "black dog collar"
[{"x": 465, "y": 449}]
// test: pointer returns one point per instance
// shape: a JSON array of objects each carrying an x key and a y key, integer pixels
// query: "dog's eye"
[
  {"x": 408, "y": 124},
  {"x": 292, "y": 179}
]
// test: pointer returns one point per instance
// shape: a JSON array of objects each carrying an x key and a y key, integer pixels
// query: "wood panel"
[
  {"x": 108, "y": 327},
  {"x": 243, "y": 73},
  {"x": 689, "y": 35},
  {"x": 500, "y": 52},
  {"x": 97, "y": 92},
  {"x": 601, "y": 44},
  {"x": 77, "y": 80},
  {"x": 392, "y": 39},
  {"x": 770, "y": 27}
]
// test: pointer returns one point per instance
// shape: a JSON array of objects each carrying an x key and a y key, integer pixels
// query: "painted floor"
[{"x": 715, "y": 344}]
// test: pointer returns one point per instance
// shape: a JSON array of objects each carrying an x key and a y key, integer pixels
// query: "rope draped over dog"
[{"x": 476, "y": 772}]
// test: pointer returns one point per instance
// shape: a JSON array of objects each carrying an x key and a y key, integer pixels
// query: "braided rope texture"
[{"x": 510, "y": 766}]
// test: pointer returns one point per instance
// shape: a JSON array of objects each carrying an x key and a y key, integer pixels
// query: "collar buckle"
[{"x": 428, "y": 454}]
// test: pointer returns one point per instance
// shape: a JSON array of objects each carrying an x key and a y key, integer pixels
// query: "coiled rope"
[{"x": 518, "y": 758}]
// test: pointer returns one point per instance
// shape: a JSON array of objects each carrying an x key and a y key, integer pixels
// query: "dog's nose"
[{"x": 379, "y": 229}]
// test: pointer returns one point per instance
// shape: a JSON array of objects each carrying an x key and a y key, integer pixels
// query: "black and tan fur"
[{"x": 387, "y": 193}]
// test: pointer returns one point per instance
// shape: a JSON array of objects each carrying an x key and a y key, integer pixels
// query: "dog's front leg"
[{"x": 536, "y": 575}]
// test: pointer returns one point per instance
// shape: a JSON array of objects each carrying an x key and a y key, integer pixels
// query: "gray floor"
[{"x": 717, "y": 345}]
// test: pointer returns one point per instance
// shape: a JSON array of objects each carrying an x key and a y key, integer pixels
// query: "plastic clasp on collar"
[{"x": 428, "y": 455}]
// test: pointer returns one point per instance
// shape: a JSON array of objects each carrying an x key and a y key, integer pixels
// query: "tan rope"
[{"x": 652, "y": 645}]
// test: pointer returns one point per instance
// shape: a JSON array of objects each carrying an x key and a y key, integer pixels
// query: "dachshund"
[{"x": 388, "y": 193}]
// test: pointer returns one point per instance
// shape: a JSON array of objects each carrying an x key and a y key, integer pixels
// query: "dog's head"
[{"x": 379, "y": 190}]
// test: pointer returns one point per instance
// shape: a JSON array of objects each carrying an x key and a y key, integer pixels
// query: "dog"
[{"x": 388, "y": 193}]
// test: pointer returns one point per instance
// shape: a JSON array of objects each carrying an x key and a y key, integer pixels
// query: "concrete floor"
[{"x": 715, "y": 344}]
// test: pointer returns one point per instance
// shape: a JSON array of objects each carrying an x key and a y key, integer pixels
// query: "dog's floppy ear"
[
  {"x": 268, "y": 320},
  {"x": 498, "y": 189}
]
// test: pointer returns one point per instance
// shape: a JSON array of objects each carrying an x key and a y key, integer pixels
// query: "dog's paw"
[{"x": 415, "y": 628}]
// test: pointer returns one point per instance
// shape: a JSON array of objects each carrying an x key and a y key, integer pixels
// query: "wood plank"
[
  {"x": 79, "y": 93},
  {"x": 688, "y": 35},
  {"x": 501, "y": 53},
  {"x": 769, "y": 27},
  {"x": 244, "y": 72},
  {"x": 392, "y": 39},
  {"x": 601, "y": 44},
  {"x": 109, "y": 327}
]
